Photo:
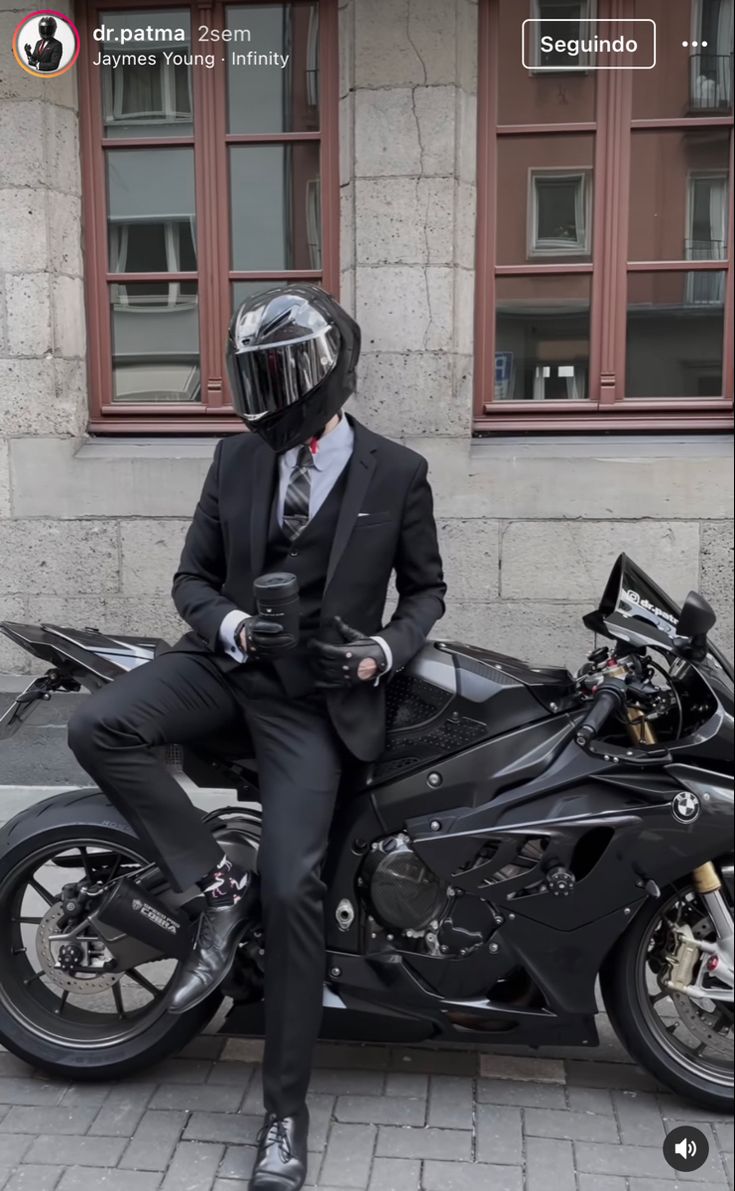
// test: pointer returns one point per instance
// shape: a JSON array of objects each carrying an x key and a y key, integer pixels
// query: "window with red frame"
[
  {"x": 206, "y": 179},
  {"x": 604, "y": 295}
]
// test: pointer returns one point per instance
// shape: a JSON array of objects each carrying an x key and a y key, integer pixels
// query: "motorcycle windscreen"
[{"x": 634, "y": 609}]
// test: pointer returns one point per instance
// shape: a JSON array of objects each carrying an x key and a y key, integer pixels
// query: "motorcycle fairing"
[
  {"x": 610, "y": 825},
  {"x": 91, "y": 656},
  {"x": 635, "y": 609}
]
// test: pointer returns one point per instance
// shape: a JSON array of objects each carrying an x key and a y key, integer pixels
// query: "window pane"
[
  {"x": 273, "y": 76},
  {"x": 679, "y": 194},
  {"x": 675, "y": 334},
  {"x": 247, "y": 289},
  {"x": 276, "y": 206},
  {"x": 150, "y": 97},
  {"x": 542, "y": 338},
  {"x": 561, "y": 20},
  {"x": 544, "y": 197},
  {"x": 151, "y": 207},
  {"x": 546, "y": 97},
  {"x": 155, "y": 343},
  {"x": 694, "y": 81}
]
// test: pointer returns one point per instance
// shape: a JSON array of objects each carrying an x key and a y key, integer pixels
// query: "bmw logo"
[{"x": 685, "y": 806}]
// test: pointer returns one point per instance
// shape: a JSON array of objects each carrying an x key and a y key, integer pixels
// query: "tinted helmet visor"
[
  {"x": 269, "y": 377},
  {"x": 47, "y": 27}
]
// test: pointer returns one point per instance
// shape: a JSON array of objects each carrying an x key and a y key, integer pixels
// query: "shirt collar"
[{"x": 338, "y": 442}]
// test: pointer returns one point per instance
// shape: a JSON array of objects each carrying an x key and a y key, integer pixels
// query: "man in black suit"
[
  {"x": 46, "y": 54},
  {"x": 314, "y": 493}
]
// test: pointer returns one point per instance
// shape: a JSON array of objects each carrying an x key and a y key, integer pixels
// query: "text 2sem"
[{"x": 206, "y": 33}]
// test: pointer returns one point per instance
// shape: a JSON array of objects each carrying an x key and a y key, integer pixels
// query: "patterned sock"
[{"x": 225, "y": 884}]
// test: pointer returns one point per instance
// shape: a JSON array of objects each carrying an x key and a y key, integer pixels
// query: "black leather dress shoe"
[
  {"x": 281, "y": 1161},
  {"x": 218, "y": 934}
]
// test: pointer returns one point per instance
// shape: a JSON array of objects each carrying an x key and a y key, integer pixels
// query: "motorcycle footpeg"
[{"x": 130, "y": 914}]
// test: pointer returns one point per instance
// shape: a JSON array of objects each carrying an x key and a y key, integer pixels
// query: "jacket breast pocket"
[{"x": 367, "y": 520}]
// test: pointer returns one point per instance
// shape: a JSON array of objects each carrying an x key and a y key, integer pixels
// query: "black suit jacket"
[
  {"x": 48, "y": 58},
  {"x": 225, "y": 549}
]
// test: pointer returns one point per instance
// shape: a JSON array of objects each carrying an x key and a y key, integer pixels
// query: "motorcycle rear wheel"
[
  {"x": 41, "y": 1021},
  {"x": 689, "y": 1071}
]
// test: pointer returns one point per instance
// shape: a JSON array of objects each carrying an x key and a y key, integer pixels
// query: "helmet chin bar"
[{"x": 297, "y": 424}]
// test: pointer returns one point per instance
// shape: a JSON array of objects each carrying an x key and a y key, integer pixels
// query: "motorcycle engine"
[{"x": 403, "y": 893}]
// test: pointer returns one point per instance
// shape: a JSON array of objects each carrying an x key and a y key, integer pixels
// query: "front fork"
[
  {"x": 707, "y": 882},
  {"x": 713, "y": 959},
  {"x": 709, "y": 887}
]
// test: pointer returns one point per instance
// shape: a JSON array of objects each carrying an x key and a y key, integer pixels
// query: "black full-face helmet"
[
  {"x": 291, "y": 357},
  {"x": 47, "y": 26}
]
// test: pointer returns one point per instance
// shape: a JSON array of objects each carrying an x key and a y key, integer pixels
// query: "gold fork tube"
[
  {"x": 706, "y": 879},
  {"x": 639, "y": 729}
]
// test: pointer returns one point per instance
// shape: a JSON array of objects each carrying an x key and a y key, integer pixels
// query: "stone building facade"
[{"x": 91, "y": 526}]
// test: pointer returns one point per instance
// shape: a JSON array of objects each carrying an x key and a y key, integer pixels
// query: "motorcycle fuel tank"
[{"x": 453, "y": 696}]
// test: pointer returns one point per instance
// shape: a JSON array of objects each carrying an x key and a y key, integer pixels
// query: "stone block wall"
[
  {"x": 408, "y": 102},
  {"x": 90, "y": 531}
]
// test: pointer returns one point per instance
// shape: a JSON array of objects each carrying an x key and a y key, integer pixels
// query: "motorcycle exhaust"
[{"x": 131, "y": 914}]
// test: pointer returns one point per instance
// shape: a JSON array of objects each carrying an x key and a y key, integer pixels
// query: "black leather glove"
[
  {"x": 337, "y": 665},
  {"x": 264, "y": 638}
]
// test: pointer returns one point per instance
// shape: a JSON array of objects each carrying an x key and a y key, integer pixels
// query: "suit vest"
[{"x": 306, "y": 557}]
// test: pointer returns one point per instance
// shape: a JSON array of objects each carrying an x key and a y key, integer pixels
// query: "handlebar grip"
[{"x": 608, "y": 699}]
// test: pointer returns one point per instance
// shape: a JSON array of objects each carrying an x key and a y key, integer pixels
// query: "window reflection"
[
  {"x": 542, "y": 338},
  {"x": 562, "y": 19},
  {"x": 697, "y": 80},
  {"x": 675, "y": 334},
  {"x": 276, "y": 207},
  {"x": 679, "y": 194},
  {"x": 545, "y": 199},
  {"x": 154, "y": 98},
  {"x": 549, "y": 96},
  {"x": 560, "y": 223},
  {"x": 155, "y": 343},
  {"x": 274, "y": 98},
  {"x": 152, "y": 227},
  {"x": 248, "y": 289}
]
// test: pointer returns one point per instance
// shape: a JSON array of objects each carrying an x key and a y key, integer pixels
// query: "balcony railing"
[
  {"x": 705, "y": 250},
  {"x": 710, "y": 82},
  {"x": 705, "y": 288}
]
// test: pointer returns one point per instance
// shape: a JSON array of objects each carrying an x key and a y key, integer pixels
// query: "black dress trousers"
[{"x": 182, "y": 697}]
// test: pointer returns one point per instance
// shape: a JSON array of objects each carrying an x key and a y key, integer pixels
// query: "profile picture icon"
[{"x": 46, "y": 43}]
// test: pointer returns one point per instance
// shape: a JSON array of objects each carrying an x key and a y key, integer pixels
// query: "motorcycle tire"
[
  {"x": 621, "y": 992},
  {"x": 66, "y": 817}
]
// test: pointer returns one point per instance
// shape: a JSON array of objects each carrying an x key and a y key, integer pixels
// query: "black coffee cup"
[{"x": 277, "y": 598}]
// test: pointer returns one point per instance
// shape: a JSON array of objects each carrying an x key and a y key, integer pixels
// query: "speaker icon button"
[{"x": 686, "y": 1148}]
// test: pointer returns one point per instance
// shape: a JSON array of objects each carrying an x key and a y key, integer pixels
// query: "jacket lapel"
[
  {"x": 265, "y": 467},
  {"x": 361, "y": 468}
]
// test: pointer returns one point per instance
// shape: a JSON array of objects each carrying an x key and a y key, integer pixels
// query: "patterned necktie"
[{"x": 296, "y": 503}]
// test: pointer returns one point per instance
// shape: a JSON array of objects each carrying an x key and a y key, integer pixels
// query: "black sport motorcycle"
[{"x": 524, "y": 832}]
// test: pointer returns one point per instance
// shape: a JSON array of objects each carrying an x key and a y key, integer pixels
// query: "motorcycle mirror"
[{"x": 696, "y": 619}]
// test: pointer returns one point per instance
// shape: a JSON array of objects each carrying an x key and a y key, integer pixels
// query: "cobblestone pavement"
[{"x": 383, "y": 1119}]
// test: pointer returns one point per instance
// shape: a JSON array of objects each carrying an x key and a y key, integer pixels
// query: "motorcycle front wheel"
[
  {"x": 686, "y": 1043},
  {"x": 90, "y": 1024}
]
